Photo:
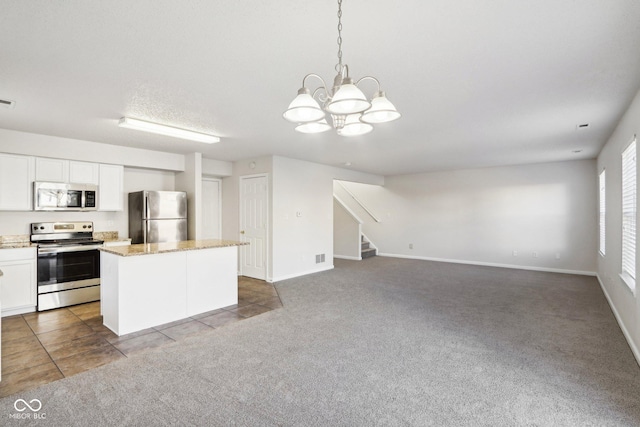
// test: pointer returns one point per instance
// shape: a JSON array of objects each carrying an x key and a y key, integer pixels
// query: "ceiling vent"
[{"x": 7, "y": 104}]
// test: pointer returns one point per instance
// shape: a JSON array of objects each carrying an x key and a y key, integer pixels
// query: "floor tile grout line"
[
  {"x": 112, "y": 345},
  {"x": 44, "y": 348},
  {"x": 36, "y": 313}
]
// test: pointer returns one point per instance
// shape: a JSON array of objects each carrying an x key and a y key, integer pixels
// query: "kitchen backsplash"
[
  {"x": 14, "y": 238},
  {"x": 105, "y": 235}
]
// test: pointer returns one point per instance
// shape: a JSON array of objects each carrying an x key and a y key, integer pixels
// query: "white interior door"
[
  {"x": 254, "y": 226},
  {"x": 211, "y": 197}
]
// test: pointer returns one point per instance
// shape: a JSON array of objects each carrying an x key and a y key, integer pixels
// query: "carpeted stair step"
[
  {"x": 364, "y": 245},
  {"x": 368, "y": 253}
]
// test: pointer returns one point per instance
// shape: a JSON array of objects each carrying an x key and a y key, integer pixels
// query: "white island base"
[{"x": 151, "y": 289}]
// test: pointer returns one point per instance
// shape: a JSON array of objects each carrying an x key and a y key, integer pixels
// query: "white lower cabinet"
[{"x": 18, "y": 288}]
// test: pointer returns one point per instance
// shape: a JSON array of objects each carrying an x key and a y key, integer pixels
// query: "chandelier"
[{"x": 351, "y": 113}]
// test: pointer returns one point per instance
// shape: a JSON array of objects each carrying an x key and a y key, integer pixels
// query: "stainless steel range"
[{"x": 68, "y": 263}]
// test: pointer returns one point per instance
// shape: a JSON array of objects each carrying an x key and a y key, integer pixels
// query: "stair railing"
[{"x": 375, "y": 218}]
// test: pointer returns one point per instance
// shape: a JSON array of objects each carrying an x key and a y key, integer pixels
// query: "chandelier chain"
[{"x": 339, "y": 64}]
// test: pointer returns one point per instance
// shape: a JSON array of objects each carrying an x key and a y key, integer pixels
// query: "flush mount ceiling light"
[
  {"x": 129, "y": 123},
  {"x": 351, "y": 113}
]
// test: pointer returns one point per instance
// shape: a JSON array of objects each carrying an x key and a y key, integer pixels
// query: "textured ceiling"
[{"x": 478, "y": 83}]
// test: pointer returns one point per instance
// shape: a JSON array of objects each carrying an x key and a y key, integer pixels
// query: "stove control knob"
[
  {"x": 42, "y": 227},
  {"x": 84, "y": 226},
  {"x": 88, "y": 226}
]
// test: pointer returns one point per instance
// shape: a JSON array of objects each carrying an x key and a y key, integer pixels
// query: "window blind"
[
  {"x": 629, "y": 210},
  {"x": 602, "y": 215}
]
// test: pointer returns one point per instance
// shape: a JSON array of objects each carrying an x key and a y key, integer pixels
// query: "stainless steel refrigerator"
[{"x": 157, "y": 216}]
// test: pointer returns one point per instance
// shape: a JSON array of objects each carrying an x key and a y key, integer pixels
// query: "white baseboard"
[
  {"x": 492, "y": 264},
  {"x": 625, "y": 332},
  {"x": 353, "y": 258},
  {"x": 20, "y": 310},
  {"x": 303, "y": 273}
]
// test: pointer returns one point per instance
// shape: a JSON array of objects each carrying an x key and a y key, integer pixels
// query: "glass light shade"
[
  {"x": 314, "y": 127},
  {"x": 354, "y": 127},
  {"x": 348, "y": 99},
  {"x": 381, "y": 111},
  {"x": 303, "y": 108}
]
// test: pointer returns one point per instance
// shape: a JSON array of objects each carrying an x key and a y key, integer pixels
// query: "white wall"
[
  {"x": 483, "y": 215},
  {"x": 302, "y": 218},
  {"x": 74, "y": 149},
  {"x": 191, "y": 181},
  {"x": 624, "y": 302},
  {"x": 216, "y": 168},
  {"x": 294, "y": 186},
  {"x": 346, "y": 233},
  {"x": 300, "y": 186}
]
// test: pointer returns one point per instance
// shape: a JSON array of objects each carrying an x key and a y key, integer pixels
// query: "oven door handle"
[{"x": 59, "y": 249}]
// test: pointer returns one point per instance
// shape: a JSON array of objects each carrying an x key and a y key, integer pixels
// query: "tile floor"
[{"x": 38, "y": 348}]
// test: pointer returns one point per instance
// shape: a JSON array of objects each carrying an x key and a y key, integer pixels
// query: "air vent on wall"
[
  {"x": 319, "y": 258},
  {"x": 7, "y": 104}
]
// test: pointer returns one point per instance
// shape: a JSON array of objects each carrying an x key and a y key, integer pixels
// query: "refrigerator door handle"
[
  {"x": 147, "y": 212},
  {"x": 146, "y": 230}
]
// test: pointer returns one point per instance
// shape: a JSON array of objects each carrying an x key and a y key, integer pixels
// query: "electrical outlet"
[
  {"x": 515, "y": 253},
  {"x": 534, "y": 254}
]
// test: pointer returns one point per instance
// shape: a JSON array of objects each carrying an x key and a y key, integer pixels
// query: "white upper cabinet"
[
  {"x": 16, "y": 182},
  {"x": 52, "y": 170},
  {"x": 110, "y": 189},
  {"x": 59, "y": 170},
  {"x": 83, "y": 172}
]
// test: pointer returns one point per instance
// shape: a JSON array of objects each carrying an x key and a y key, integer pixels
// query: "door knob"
[{"x": 241, "y": 231}]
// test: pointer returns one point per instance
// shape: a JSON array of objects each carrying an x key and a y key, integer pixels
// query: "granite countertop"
[
  {"x": 159, "y": 248},
  {"x": 109, "y": 236},
  {"x": 16, "y": 241}
]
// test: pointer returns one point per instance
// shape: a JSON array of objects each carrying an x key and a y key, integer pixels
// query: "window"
[
  {"x": 603, "y": 208},
  {"x": 629, "y": 215}
]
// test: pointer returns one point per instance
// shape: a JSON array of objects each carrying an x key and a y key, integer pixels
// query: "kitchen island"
[{"x": 147, "y": 285}]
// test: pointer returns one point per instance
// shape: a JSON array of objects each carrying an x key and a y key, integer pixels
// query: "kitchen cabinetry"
[
  {"x": 16, "y": 177},
  {"x": 147, "y": 285},
  {"x": 83, "y": 172},
  {"x": 17, "y": 174},
  {"x": 59, "y": 170},
  {"x": 52, "y": 170},
  {"x": 18, "y": 288},
  {"x": 110, "y": 188}
]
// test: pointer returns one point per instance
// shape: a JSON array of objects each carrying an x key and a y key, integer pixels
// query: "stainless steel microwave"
[{"x": 57, "y": 196}]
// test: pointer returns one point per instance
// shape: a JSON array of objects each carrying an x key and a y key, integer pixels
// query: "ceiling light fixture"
[
  {"x": 351, "y": 113},
  {"x": 129, "y": 123}
]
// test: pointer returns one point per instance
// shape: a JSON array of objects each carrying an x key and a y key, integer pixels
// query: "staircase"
[{"x": 365, "y": 250}]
